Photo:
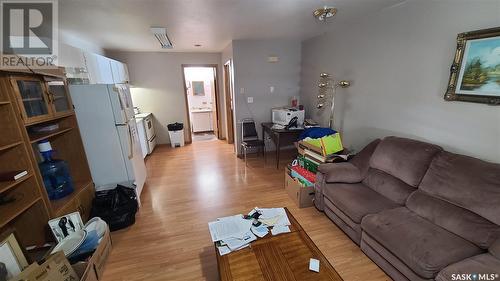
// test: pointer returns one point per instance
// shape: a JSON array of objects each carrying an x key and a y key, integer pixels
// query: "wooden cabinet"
[
  {"x": 41, "y": 99},
  {"x": 59, "y": 97},
  {"x": 32, "y": 98},
  {"x": 28, "y": 101}
]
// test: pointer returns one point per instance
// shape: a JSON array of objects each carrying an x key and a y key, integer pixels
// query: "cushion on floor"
[
  {"x": 423, "y": 246},
  {"x": 357, "y": 200}
]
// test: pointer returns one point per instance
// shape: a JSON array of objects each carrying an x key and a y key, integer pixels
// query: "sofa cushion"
[
  {"x": 466, "y": 182},
  {"x": 357, "y": 200},
  {"x": 423, "y": 246},
  {"x": 495, "y": 249},
  {"x": 404, "y": 159},
  {"x": 362, "y": 158},
  {"x": 389, "y": 186},
  {"x": 462, "y": 222},
  {"x": 340, "y": 172},
  {"x": 480, "y": 264}
]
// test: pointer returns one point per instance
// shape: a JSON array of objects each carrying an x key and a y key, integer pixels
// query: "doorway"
[
  {"x": 200, "y": 89},
  {"x": 229, "y": 103}
]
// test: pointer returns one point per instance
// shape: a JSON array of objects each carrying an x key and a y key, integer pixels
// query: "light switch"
[
  {"x": 271, "y": 89},
  {"x": 273, "y": 59},
  {"x": 250, "y": 99},
  {"x": 242, "y": 90}
]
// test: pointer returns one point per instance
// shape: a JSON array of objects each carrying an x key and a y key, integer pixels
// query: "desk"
[{"x": 280, "y": 137}]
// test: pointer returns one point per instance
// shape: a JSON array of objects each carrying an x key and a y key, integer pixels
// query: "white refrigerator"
[{"x": 105, "y": 115}]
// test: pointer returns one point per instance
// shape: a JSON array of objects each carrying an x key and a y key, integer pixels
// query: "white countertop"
[
  {"x": 201, "y": 110},
  {"x": 143, "y": 115}
]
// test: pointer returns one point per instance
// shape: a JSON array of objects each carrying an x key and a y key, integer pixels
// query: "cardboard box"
[
  {"x": 100, "y": 256},
  {"x": 56, "y": 268},
  {"x": 93, "y": 269},
  {"x": 301, "y": 195}
]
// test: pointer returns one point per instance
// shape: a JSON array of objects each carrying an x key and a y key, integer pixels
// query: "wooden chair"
[{"x": 250, "y": 139}]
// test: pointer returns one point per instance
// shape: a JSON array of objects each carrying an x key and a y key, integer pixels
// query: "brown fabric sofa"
[{"x": 419, "y": 212}]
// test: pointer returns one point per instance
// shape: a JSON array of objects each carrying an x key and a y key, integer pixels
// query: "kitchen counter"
[{"x": 201, "y": 110}]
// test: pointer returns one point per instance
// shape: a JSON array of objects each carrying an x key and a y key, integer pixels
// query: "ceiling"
[{"x": 124, "y": 24}]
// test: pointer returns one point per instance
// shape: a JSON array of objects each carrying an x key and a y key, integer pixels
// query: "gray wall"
[
  {"x": 256, "y": 75},
  {"x": 399, "y": 63},
  {"x": 158, "y": 88}
]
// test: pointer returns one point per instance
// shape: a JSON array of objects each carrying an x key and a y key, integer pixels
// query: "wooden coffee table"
[{"x": 274, "y": 258}]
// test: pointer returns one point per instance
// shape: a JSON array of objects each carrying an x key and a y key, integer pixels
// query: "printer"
[{"x": 283, "y": 115}]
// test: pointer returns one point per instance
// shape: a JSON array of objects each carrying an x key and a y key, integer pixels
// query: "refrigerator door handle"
[{"x": 131, "y": 144}]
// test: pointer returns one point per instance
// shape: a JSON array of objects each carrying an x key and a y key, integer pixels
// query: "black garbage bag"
[
  {"x": 175, "y": 126},
  {"x": 117, "y": 207}
]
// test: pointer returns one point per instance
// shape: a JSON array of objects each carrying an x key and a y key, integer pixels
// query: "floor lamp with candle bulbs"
[{"x": 327, "y": 88}]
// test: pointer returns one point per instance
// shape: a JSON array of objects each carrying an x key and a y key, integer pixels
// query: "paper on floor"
[{"x": 277, "y": 229}]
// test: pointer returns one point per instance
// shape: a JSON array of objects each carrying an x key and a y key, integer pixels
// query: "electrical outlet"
[
  {"x": 250, "y": 99},
  {"x": 242, "y": 90}
]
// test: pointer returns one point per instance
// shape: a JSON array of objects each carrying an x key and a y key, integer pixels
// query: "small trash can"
[{"x": 176, "y": 133}]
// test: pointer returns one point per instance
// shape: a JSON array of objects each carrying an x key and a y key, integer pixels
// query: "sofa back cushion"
[
  {"x": 469, "y": 183},
  {"x": 464, "y": 223},
  {"x": 387, "y": 185},
  {"x": 405, "y": 159}
]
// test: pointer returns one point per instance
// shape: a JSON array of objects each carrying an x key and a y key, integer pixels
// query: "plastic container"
[
  {"x": 55, "y": 173},
  {"x": 176, "y": 134}
]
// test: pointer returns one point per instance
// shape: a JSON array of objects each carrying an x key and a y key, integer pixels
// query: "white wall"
[
  {"x": 200, "y": 74},
  {"x": 158, "y": 87},
  {"x": 399, "y": 61},
  {"x": 256, "y": 75}
]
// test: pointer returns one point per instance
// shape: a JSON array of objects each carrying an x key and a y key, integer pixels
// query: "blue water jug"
[{"x": 55, "y": 173}]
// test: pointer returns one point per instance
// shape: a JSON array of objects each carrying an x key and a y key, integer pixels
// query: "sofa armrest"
[
  {"x": 319, "y": 185},
  {"x": 495, "y": 249},
  {"x": 362, "y": 158},
  {"x": 344, "y": 172}
]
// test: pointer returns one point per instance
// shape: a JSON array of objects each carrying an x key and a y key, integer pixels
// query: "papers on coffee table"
[
  {"x": 273, "y": 216},
  {"x": 229, "y": 227},
  {"x": 234, "y": 232},
  {"x": 278, "y": 229}
]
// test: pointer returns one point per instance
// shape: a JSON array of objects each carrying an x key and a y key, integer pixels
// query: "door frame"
[
  {"x": 228, "y": 97},
  {"x": 216, "y": 87}
]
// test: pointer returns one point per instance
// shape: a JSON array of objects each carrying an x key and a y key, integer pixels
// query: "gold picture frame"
[
  {"x": 473, "y": 76},
  {"x": 11, "y": 256}
]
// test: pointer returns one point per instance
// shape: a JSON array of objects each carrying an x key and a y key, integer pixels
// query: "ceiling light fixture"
[
  {"x": 160, "y": 34},
  {"x": 325, "y": 13}
]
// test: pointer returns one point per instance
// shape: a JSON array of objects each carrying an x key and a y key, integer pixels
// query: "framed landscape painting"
[{"x": 475, "y": 73}]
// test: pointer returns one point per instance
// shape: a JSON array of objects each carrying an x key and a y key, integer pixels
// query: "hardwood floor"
[{"x": 189, "y": 186}]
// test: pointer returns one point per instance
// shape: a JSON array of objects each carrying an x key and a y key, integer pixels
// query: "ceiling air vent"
[{"x": 161, "y": 35}]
